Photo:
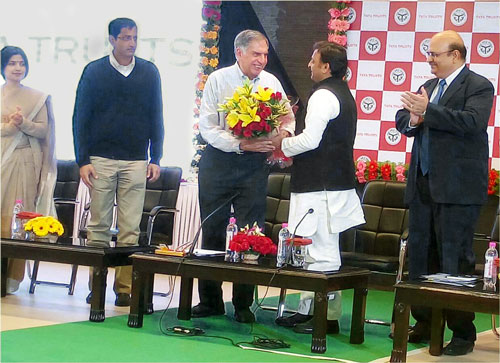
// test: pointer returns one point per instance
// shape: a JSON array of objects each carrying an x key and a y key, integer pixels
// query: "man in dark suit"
[{"x": 448, "y": 175}]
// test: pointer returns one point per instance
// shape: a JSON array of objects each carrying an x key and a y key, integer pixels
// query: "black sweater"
[{"x": 118, "y": 117}]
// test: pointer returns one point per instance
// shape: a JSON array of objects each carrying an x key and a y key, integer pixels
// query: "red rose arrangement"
[{"x": 252, "y": 239}]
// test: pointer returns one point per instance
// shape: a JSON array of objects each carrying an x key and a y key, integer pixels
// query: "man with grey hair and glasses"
[{"x": 232, "y": 166}]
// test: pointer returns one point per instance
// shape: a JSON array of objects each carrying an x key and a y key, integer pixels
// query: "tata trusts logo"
[
  {"x": 397, "y": 76},
  {"x": 392, "y": 136},
  {"x": 485, "y": 48},
  {"x": 424, "y": 46},
  {"x": 402, "y": 16},
  {"x": 368, "y": 105},
  {"x": 458, "y": 17},
  {"x": 373, "y": 45}
]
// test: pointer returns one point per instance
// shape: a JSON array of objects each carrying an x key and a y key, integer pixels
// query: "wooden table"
[
  {"x": 438, "y": 297},
  {"x": 265, "y": 273},
  {"x": 65, "y": 252}
]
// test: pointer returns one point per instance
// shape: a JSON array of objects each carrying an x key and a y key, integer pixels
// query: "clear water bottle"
[
  {"x": 490, "y": 269},
  {"x": 16, "y": 226},
  {"x": 283, "y": 247},
  {"x": 231, "y": 231}
]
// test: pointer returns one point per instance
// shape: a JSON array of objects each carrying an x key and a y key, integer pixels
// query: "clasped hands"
[
  {"x": 264, "y": 145},
  {"x": 416, "y": 104},
  {"x": 17, "y": 118}
]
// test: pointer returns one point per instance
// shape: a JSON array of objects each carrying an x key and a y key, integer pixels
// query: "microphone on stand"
[
  {"x": 197, "y": 235},
  {"x": 309, "y": 211}
]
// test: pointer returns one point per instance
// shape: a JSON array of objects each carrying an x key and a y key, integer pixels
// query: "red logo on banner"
[
  {"x": 422, "y": 41},
  {"x": 372, "y": 46},
  {"x": 352, "y": 73},
  {"x": 390, "y": 138},
  {"x": 355, "y": 12},
  {"x": 397, "y": 76},
  {"x": 366, "y": 155},
  {"x": 485, "y": 48},
  {"x": 369, "y": 104},
  {"x": 402, "y": 16},
  {"x": 459, "y": 16}
]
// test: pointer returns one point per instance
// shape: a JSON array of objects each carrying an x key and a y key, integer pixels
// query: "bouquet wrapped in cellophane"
[{"x": 257, "y": 114}]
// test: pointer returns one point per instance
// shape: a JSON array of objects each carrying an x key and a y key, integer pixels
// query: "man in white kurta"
[{"x": 324, "y": 178}]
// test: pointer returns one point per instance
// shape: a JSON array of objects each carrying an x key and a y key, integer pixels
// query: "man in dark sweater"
[
  {"x": 323, "y": 177},
  {"x": 118, "y": 118}
]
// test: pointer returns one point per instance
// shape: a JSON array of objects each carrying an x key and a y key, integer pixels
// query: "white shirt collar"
[
  {"x": 125, "y": 70},
  {"x": 454, "y": 75},
  {"x": 243, "y": 77}
]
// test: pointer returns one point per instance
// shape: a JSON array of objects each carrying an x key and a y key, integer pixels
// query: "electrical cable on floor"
[{"x": 297, "y": 354}]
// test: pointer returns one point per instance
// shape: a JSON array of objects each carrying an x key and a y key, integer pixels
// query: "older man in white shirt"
[{"x": 231, "y": 166}]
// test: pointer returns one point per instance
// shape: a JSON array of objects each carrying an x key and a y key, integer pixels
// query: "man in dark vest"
[{"x": 323, "y": 176}]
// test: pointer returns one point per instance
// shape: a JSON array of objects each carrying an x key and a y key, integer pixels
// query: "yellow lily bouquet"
[
  {"x": 41, "y": 226},
  {"x": 253, "y": 114}
]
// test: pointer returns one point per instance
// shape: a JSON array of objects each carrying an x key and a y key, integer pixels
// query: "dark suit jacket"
[{"x": 458, "y": 142}]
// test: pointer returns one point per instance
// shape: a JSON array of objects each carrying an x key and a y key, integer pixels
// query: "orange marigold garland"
[{"x": 209, "y": 60}]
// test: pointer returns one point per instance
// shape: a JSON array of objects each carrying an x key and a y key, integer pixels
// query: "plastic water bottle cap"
[
  {"x": 232, "y": 220},
  {"x": 493, "y": 244},
  {"x": 284, "y": 225}
]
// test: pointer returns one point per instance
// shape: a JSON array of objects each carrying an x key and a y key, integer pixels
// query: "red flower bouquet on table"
[
  {"x": 256, "y": 114},
  {"x": 251, "y": 240}
]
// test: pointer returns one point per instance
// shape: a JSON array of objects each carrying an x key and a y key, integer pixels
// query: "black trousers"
[
  {"x": 441, "y": 237},
  {"x": 220, "y": 176}
]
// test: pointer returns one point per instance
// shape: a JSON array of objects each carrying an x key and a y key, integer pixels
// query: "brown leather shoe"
[{"x": 332, "y": 327}]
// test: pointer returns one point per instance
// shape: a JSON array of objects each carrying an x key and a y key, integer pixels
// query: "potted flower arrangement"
[
  {"x": 44, "y": 227},
  {"x": 249, "y": 243}
]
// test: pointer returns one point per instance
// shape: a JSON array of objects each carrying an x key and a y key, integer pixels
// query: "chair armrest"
[
  {"x": 161, "y": 209},
  {"x": 152, "y": 216}
]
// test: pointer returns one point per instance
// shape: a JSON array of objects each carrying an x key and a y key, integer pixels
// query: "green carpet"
[{"x": 114, "y": 341}]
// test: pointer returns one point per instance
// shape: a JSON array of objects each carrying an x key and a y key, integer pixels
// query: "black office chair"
[{"x": 65, "y": 192}]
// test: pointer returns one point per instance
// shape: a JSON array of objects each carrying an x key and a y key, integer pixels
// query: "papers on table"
[
  {"x": 450, "y": 279},
  {"x": 203, "y": 252}
]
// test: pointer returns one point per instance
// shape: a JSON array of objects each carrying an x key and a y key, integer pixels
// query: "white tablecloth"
[{"x": 187, "y": 220}]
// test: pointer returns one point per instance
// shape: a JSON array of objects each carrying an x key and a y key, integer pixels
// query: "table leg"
[
  {"x": 185, "y": 299},
  {"x": 437, "y": 330},
  {"x": 318, "y": 344},
  {"x": 149, "y": 282},
  {"x": 135, "y": 318},
  {"x": 5, "y": 260},
  {"x": 98, "y": 294},
  {"x": 358, "y": 316},
  {"x": 400, "y": 340}
]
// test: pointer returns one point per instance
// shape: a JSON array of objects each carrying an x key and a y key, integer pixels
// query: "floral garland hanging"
[
  {"x": 338, "y": 25},
  {"x": 209, "y": 60}
]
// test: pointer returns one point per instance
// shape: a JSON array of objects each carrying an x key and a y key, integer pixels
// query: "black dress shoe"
[
  {"x": 244, "y": 316},
  {"x": 332, "y": 327},
  {"x": 421, "y": 333},
  {"x": 202, "y": 310},
  {"x": 88, "y": 299},
  {"x": 293, "y": 320},
  {"x": 458, "y": 346},
  {"x": 122, "y": 299}
]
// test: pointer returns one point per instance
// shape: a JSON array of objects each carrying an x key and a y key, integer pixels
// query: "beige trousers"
[{"x": 125, "y": 180}]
